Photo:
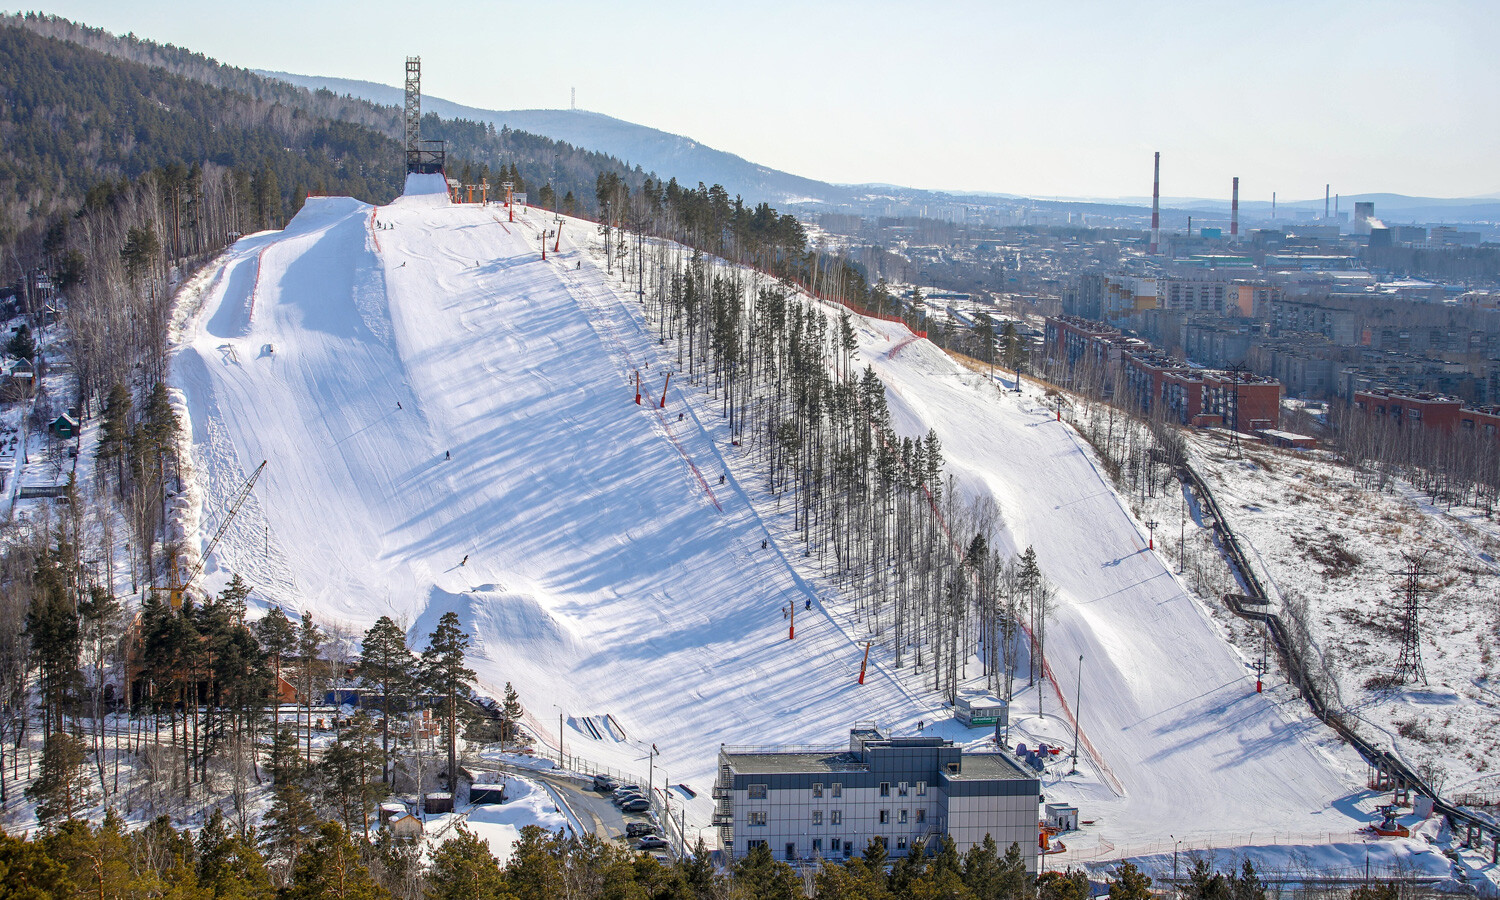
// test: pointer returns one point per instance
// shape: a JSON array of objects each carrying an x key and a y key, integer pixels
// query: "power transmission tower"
[
  {"x": 1410, "y": 591},
  {"x": 1232, "y": 406}
]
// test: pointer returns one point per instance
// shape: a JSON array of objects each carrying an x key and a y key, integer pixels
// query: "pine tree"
[
  {"x": 331, "y": 868},
  {"x": 60, "y": 788},
  {"x": 981, "y": 869},
  {"x": 289, "y": 824},
  {"x": 310, "y": 640},
  {"x": 445, "y": 673},
  {"x": 387, "y": 664},
  {"x": 22, "y": 345},
  {"x": 463, "y": 868},
  {"x": 511, "y": 712},
  {"x": 908, "y": 870},
  {"x": 762, "y": 877},
  {"x": 229, "y": 866},
  {"x": 350, "y": 780},
  {"x": 1130, "y": 883},
  {"x": 1013, "y": 881}
]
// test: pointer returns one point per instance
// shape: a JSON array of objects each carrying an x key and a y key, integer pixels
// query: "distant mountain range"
[
  {"x": 675, "y": 156},
  {"x": 668, "y": 155}
]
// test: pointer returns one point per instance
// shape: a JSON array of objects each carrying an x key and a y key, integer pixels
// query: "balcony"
[
  {"x": 723, "y": 820},
  {"x": 722, "y": 792}
]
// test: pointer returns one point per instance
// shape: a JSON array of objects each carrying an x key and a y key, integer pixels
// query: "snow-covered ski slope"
[
  {"x": 1167, "y": 703},
  {"x": 605, "y": 574},
  {"x": 608, "y": 570}
]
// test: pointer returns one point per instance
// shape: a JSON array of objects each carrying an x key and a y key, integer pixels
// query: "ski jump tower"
[{"x": 422, "y": 157}]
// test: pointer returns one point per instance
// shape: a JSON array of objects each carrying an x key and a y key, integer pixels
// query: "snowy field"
[
  {"x": 1321, "y": 538},
  {"x": 450, "y": 426}
]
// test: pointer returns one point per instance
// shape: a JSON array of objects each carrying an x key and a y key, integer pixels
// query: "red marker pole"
[
  {"x": 544, "y": 245},
  {"x": 663, "y": 404},
  {"x": 865, "y": 663},
  {"x": 637, "y": 387},
  {"x": 791, "y": 631}
]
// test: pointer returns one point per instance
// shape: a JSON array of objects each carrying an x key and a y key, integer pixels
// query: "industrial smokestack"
[
  {"x": 1234, "y": 211},
  {"x": 1273, "y": 206},
  {"x": 1326, "y": 196},
  {"x": 1156, "y": 206}
]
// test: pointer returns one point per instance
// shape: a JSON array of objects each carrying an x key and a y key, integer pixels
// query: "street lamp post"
[
  {"x": 559, "y": 736},
  {"x": 1077, "y": 714}
]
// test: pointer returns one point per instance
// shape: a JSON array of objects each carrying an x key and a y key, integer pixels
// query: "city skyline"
[{"x": 1066, "y": 101}]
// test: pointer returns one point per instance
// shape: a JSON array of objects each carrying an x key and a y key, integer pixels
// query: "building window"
[
  {"x": 901, "y": 816},
  {"x": 836, "y": 817},
  {"x": 817, "y": 817},
  {"x": 757, "y": 792},
  {"x": 751, "y": 845},
  {"x": 885, "y": 788},
  {"x": 901, "y": 842},
  {"x": 848, "y": 849},
  {"x": 817, "y": 846},
  {"x": 756, "y": 818},
  {"x": 885, "y": 817},
  {"x": 921, "y": 789},
  {"x": 921, "y": 816},
  {"x": 838, "y": 789},
  {"x": 817, "y": 789},
  {"x": 901, "y": 789}
]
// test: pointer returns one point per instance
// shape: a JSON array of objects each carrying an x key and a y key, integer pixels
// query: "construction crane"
[{"x": 177, "y": 589}]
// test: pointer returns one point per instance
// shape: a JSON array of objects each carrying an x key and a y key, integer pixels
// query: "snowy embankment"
[{"x": 450, "y": 424}]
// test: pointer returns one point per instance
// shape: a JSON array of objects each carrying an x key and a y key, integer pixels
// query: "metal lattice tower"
[
  {"x": 1409, "y": 663},
  {"x": 413, "y": 104},
  {"x": 1232, "y": 406}
]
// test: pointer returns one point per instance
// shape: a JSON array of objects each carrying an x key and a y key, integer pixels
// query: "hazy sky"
[{"x": 1043, "y": 98}]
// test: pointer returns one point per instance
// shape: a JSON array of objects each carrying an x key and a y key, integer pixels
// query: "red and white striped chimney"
[
  {"x": 1234, "y": 211},
  {"x": 1156, "y": 206}
]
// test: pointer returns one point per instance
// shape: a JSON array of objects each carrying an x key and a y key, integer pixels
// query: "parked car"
[
  {"x": 652, "y": 842},
  {"x": 604, "y": 783},
  {"x": 623, "y": 797},
  {"x": 635, "y": 788},
  {"x": 639, "y": 829},
  {"x": 638, "y": 805}
]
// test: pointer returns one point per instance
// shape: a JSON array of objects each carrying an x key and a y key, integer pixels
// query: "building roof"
[
  {"x": 990, "y": 767},
  {"x": 797, "y": 762}
]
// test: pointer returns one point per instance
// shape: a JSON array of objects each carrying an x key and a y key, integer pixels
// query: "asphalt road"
[{"x": 595, "y": 809}]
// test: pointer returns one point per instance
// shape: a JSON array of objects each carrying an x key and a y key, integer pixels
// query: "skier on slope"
[{"x": 465, "y": 560}]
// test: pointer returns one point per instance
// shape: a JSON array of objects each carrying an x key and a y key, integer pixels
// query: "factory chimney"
[
  {"x": 1234, "y": 211},
  {"x": 1156, "y": 206},
  {"x": 1326, "y": 196},
  {"x": 1273, "y": 206}
]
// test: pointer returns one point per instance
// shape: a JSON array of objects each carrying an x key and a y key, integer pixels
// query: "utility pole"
[
  {"x": 1077, "y": 715},
  {"x": 1182, "y": 534},
  {"x": 1151, "y": 534}
]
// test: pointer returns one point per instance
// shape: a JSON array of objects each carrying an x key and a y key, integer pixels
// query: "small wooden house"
[
  {"x": 439, "y": 802},
  {"x": 406, "y": 826},
  {"x": 64, "y": 426}
]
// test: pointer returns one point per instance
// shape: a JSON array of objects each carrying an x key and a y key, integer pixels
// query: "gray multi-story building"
[{"x": 809, "y": 803}]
